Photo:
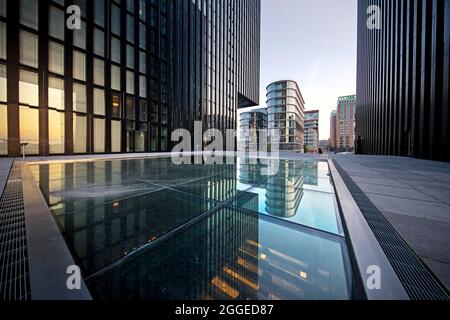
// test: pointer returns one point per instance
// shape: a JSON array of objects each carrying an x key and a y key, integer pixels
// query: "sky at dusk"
[{"x": 314, "y": 43}]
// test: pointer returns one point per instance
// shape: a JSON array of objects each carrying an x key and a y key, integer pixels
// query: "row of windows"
[{"x": 29, "y": 132}]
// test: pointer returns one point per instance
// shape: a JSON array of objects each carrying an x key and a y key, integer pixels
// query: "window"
[
  {"x": 99, "y": 12},
  {"x": 139, "y": 144},
  {"x": 3, "y": 129},
  {"x": 99, "y": 72},
  {"x": 130, "y": 56},
  {"x": 99, "y": 102},
  {"x": 130, "y": 5},
  {"x": 56, "y": 132},
  {"x": 79, "y": 97},
  {"x": 2, "y": 40},
  {"x": 143, "y": 111},
  {"x": 142, "y": 62},
  {"x": 115, "y": 50},
  {"x": 115, "y": 77},
  {"x": 79, "y": 134},
  {"x": 28, "y": 49},
  {"x": 115, "y": 18},
  {"x": 129, "y": 108},
  {"x": 115, "y": 107},
  {"x": 56, "y": 58},
  {"x": 99, "y": 42},
  {"x": 79, "y": 65},
  {"x": 116, "y": 136},
  {"x": 99, "y": 135},
  {"x": 28, "y": 88},
  {"x": 3, "y": 8},
  {"x": 29, "y": 13},
  {"x": 142, "y": 10},
  {"x": 29, "y": 129},
  {"x": 142, "y": 87},
  {"x": 56, "y": 23},
  {"x": 56, "y": 93},
  {"x": 130, "y": 28},
  {"x": 130, "y": 82},
  {"x": 142, "y": 35},
  {"x": 3, "y": 83},
  {"x": 79, "y": 36}
]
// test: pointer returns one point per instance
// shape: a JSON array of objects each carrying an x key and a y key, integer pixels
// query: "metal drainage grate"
[
  {"x": 418, "y": 281},
  {"x": 14, "y": 280}
]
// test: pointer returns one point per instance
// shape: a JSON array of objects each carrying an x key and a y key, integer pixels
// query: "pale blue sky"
[{"x": 314, "y": 43}]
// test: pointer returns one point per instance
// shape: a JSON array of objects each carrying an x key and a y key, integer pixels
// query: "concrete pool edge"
[
  {"x": 366, "y": 249},
  {"x": 47, "y": 263}
]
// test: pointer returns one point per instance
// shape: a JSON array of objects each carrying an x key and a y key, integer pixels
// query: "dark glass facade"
[
  {"x": 403, "y": 80},
  {"x": 135, "y": 71}
]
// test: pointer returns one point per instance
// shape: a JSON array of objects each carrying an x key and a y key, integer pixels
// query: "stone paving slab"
[{"x": 414, "y": 195}]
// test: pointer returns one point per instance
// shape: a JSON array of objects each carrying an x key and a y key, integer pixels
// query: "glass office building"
[
  {"x": 253, "y": 130},
  {"x": 127, "y": 75},
  {"x": 286, "y": 115}
]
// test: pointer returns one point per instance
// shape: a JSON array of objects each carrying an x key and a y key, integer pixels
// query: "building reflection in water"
[{"x": 230, "y": 254}]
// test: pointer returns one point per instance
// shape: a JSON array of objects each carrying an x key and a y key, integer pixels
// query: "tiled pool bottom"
[{"x": 208, "y": 231}]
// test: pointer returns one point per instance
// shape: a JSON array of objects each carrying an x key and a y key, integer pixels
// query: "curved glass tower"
[
  {"x": 286, "y": 113},
  {"x": 250, "y": 123}
]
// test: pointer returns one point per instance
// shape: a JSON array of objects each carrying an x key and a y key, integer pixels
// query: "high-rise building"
[
  {"x": 403, "y": 79},
  {"x": 312, "y": 131},
  {"x": 252, "y": 135},
  {"x": 127, "y": 75},
  {"x": 286, "y": 114},
  {"x": 345, "y": 123},
  {"x": 333, "y": 133}
]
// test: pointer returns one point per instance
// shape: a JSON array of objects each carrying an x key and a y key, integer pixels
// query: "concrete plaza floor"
[{"x": 414, "y": 196}]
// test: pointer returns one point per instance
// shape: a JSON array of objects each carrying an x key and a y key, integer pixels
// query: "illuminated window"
[
  {"x": 55, "y": 58},
  {"x": 28, "y": 49},
  {"x": 99, "y": 135},
  {"x": 99, "y": 102},
  {"x": 129, "y": 108},
  {"x": 79, "y": 97},
  {"x": 115, "y": 107},
  {"x": 116, "y": 136},
  {"x": 56, "y": 131},
  {"x": 79, "y": 134},
  {"x": 29, "y": 129},
  {"x": 28, "y": 88},
  {"x": 3, "y": 129},
  {"x": 56, "y": 93}
]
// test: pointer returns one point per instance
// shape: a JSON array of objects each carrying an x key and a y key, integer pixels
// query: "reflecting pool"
[{"x": 151, "y": 229}]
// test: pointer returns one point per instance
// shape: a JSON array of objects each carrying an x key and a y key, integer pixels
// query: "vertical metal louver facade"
[{"x": 403, "y": 79}]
